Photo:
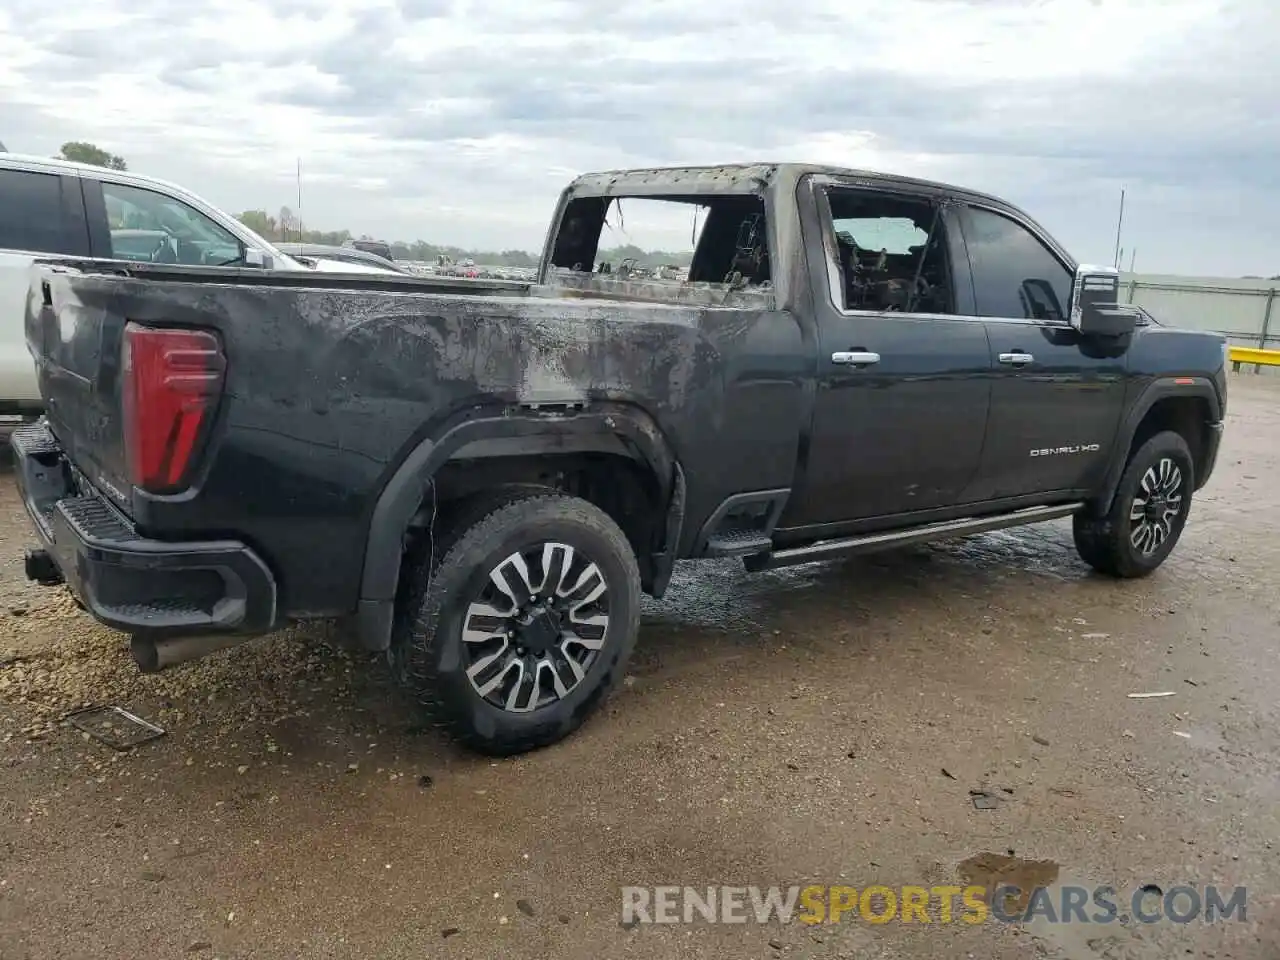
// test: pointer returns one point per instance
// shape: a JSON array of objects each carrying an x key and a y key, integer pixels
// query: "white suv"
[{"x": 64, "y": 209}]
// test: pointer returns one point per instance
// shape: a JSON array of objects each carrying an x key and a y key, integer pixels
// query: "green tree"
[
  {"x": 260, "y": 222},
  {"x": 82, "y": 152},
  {"x": 332, "y": 238},
  {"x": 646, "y": 258}
]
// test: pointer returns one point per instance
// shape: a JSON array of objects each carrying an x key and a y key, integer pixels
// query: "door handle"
[
  {"x": 1017, "y": 358},
  {"x": 857, "y": 358}
]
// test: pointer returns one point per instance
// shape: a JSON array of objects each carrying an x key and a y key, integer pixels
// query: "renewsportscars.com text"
[{"x": 877, "y": 904}]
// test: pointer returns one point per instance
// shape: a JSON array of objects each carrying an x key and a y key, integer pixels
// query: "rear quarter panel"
[{"x": 328, "y": 390}]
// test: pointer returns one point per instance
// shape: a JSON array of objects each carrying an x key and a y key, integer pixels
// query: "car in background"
[
  {"x": 380, "y": 247},
  {"x": 346, "y": 255},
  {"x": 59, "y": 208}
]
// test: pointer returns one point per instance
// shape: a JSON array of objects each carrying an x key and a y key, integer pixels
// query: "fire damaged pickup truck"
[{"x": 483, "y": 479}]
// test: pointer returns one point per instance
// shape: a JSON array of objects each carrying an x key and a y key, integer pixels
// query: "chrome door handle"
[
  {"x": 855, "y": 357},
  {"x": 1017, "y": 358}
]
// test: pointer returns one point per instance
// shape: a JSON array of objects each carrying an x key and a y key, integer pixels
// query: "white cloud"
[{"x": 457, "y": 122}]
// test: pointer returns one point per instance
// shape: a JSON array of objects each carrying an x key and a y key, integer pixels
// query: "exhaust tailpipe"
[
  {"x": 39, "y": 566},
  {"x": 152, "y": 656}
]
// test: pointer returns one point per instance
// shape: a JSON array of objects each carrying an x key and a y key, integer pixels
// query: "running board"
[{"x": 868, "y": 543}]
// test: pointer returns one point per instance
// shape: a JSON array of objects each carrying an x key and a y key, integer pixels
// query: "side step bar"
[{"x": 870, "y": 542}]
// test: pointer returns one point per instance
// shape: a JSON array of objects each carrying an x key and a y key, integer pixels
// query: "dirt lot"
[{"x": 824, "y": 724}]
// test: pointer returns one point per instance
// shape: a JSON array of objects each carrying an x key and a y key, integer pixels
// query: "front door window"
[
  {"x": 1014, "y": 274},
  {"x": 150, "y": 227}
]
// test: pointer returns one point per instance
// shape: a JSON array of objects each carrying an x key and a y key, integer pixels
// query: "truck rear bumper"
[{"x": 145, "y": 587}]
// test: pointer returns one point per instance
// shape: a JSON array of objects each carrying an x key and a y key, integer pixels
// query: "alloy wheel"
[
  {"x": 537, "y": 626},
  {"x": 1156, "y": 506}
]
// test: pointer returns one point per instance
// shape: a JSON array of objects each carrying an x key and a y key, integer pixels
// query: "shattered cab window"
[
  {"x": 714, "y": 242},
  {"x": 890, "y": 252}
]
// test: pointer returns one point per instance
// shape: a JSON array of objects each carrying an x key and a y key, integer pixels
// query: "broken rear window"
[{"x": 657, "y": 244}]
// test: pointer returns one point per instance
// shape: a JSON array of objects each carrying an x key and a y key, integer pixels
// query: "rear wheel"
[
  {"x": 1148, "y": 512},
  {"x": 524, "y": 624}
]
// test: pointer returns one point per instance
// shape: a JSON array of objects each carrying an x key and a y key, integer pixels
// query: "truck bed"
[
  {"x": 252, "y": 276},
  {"x": 331, "y": 381}
]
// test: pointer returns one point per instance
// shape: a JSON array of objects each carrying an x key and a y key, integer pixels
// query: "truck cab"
[{"x": 940, "y": 357}]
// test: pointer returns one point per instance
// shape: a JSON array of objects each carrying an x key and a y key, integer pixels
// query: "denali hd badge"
[{"x": 1078, "y": 448}]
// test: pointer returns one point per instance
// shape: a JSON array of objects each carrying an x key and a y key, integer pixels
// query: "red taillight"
[{"x": 172, "y": 379}]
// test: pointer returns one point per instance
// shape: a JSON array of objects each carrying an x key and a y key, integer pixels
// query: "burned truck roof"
[
  {"x": 746, "y": 177},
  {"x": 739, "y": 178}
]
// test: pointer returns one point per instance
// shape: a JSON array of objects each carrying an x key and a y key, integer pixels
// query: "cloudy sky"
[{"x": 456, "y": 121}]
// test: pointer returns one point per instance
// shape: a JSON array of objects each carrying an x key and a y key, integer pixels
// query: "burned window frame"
[
  {"x": 955, "y": 264},
  {"x": 585, "y": 215}
]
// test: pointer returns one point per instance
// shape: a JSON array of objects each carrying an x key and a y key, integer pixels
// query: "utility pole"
[
  {"x": 299, "y": 199},
  {"x": 1119, "y": 224}
]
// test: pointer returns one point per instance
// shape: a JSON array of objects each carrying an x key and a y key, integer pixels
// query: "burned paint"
[{"x": 329, "y": 389}]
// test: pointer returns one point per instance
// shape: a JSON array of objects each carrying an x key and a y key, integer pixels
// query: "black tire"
[
  {"x": 1107, "y": 543},
  {"x": 428, "y": 651}
]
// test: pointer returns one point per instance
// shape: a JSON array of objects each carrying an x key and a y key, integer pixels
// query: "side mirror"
[
  {"x": 254, "y": 258},
  {"x": 1096, "y": 310},
  {"x": 1039, "y": 300}
]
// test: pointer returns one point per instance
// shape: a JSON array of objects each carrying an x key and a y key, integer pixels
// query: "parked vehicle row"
[
  {"x": 56, "y": 207},
  {"x": 344, "y": 254},
  {"x": 483, "y": 480}
]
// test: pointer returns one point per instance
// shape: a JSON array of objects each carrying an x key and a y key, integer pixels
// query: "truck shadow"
[
  {"x": 304, "y": 696},
  {"x": 719, "y": 602},
  {"x": 717, "y": 617}
]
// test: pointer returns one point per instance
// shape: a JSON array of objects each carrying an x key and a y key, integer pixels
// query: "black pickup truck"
[{"x": 482, "y": 480}]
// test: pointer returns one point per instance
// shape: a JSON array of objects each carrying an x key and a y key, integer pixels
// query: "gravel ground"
[{"x": 824, "y": 724}]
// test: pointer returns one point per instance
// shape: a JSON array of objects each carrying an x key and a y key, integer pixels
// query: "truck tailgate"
[
  {"x": 75, "y": 338},
  {"x": 76, "y": 320}
]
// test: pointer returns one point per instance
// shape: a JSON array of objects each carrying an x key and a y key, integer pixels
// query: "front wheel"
[
  {"x": 521, "y": 629},
  {"x": 1147, "y": 514}
]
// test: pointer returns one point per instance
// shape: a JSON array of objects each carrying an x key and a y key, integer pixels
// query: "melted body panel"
[{"x": 327, "y": 391}]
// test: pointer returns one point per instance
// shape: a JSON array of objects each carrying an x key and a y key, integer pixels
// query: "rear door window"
[
  {"x": 890, "y": 253},
  {"x": 32, "y": 217}
]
